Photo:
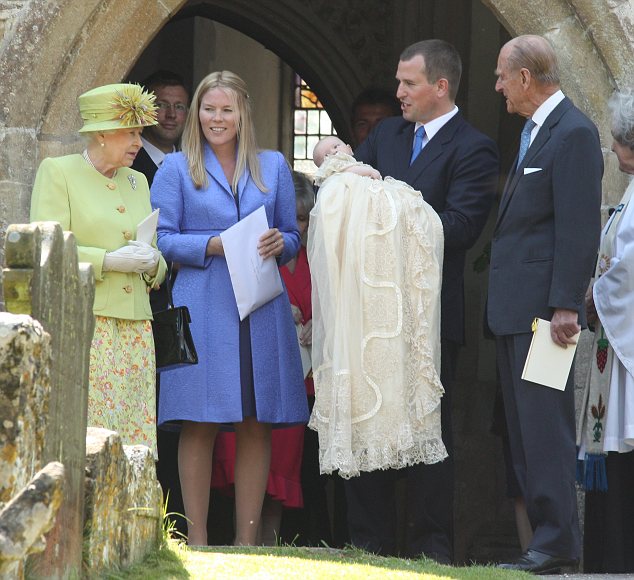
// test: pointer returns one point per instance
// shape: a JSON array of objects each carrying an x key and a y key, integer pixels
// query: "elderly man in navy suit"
[
  {"x": 542, "y": 258},
  {"x": 433, "y": 149}
]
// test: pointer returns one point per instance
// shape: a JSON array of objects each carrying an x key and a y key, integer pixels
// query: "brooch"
[{"x": 132, "y": 181}]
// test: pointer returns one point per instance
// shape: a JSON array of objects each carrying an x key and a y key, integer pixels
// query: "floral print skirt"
[{"x": 122, "y": 394}]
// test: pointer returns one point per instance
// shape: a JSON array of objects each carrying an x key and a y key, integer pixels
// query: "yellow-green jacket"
[{"x": 103, "y": 214}]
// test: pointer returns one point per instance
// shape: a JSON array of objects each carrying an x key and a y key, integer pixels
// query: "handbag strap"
[{"x": 168, "y": 282}]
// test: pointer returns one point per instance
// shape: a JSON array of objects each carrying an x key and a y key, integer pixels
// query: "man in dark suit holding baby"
[{"x": 433, "y": 149}]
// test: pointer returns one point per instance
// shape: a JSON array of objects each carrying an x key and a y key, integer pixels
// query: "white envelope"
[
  {"x": 547, "y": 363},
  {"x": 528, "y": 170},
  {"x": 255, "y": 281},
  {"x": 147, "y": 228}
]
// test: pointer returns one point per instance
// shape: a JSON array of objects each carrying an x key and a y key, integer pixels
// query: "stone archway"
[
  {"x": 54, "y": 51},
  {"x": 51, "y": 51}
]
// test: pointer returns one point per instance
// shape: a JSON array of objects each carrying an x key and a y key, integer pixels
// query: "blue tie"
[
  {"x": 525, "y": 139},
  {"x": 418, "y": 143}
]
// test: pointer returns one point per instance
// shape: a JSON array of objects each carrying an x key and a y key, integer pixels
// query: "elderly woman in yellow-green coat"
[{"x": 101, "y": 200}]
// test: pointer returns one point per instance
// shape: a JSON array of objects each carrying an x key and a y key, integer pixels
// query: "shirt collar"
[
  {"x": 432, "y": 127},
  {"x": 156, "y": 155},
  {"x": 547, "y": 107}
]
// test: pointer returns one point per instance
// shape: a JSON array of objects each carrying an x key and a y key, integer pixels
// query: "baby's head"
[{"x": 329, "y": 146}]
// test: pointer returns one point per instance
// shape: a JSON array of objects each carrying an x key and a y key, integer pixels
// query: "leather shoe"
[{"x": 538, "y": 563}]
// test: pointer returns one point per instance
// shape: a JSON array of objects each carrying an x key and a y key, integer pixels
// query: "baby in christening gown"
[{"x": 375, "y": 249}]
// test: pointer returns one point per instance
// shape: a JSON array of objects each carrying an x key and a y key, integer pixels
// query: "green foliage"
[{"x": 169, "y": 525}]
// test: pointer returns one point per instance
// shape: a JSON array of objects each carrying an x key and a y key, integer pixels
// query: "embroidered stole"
[{"x": 591, "y": 427}]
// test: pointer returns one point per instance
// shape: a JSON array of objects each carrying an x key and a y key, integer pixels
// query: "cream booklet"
[{"x": 547, "y": 363}]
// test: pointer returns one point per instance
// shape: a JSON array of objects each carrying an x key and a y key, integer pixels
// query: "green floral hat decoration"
[{"x": 119, "y": 106}]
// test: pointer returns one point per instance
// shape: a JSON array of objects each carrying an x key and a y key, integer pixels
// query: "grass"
[{"x": 175, "y": 560}]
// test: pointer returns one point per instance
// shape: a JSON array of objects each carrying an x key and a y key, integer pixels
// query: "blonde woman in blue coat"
[
  {"x": 249, "y": 373},
  {"x": 101, "y": 200}
]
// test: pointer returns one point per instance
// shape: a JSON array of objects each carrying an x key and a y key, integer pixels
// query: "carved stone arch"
[
  {"x": 81, "y": 45},
  {"x": 52, "y": 51},
  {"x": 302, "y": 38}
]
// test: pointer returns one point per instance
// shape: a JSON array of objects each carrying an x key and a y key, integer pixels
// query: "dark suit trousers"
[
  {"x": 541, "y": 427},
  {"x": 429, "y": 523}
]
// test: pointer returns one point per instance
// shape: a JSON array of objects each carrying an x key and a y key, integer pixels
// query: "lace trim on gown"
[{"x": 375, "y": 250}]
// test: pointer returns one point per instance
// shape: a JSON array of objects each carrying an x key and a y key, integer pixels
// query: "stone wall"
[
  {"x": 24, "y": 393},
  {"x": 43, "y": 408},
  {"x": 44, "y": 280},
  {"x": 25, "y": 519}
]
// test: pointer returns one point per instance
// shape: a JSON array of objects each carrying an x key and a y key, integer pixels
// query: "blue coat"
[{"x": 210, "y": 391}]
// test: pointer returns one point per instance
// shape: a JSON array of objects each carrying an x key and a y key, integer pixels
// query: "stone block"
[
  {"x": 25, "y": 519},
  {"x": 144, "y": 520},
  {"x": 123, "y": 502},
  {"x": 24, "y": 398},
  {"x": 44, "y": 279}
]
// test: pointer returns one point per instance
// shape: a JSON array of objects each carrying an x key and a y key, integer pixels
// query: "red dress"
[{"x": 284, "y": 482}]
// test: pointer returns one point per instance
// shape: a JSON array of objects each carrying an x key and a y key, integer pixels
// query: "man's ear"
[
  {"x": 525, "y": 77},
  {"x": 442, "y": 87}
]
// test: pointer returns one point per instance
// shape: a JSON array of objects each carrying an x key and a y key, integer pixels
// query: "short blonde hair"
[{"x": 193, "y": 138}]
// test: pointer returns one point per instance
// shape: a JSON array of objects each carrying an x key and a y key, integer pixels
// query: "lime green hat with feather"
[{"x": 118, "y": 106}]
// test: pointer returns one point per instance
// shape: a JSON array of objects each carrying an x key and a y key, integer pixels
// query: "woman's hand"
[
  {"x": 149, "y": 250},
  {"x": 135, "y": 257},
  {"x": 271, "y": 243},
  {"x": 306, "y": 334},
  {"x": 297, "y": 314},
  {"x": 215, "y": 247}
]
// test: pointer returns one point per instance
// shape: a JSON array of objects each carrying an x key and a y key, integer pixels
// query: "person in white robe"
[{"x": 606, "y": 427}]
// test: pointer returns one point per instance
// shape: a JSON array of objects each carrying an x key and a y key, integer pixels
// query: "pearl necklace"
[{"x": 89, "y": 161}]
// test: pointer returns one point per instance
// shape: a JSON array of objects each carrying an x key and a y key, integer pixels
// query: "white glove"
[
  {"x": 132, "y": 258},
  {"x": 154, "y": 260}
]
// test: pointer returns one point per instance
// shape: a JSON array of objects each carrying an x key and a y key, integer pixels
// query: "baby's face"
[{"x": 338, "y": 145}]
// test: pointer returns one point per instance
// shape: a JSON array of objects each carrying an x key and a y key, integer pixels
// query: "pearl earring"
[{"x": 103, "y": 144}]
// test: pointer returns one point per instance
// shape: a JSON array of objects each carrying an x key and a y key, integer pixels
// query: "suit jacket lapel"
[
  {"x": 242, "y": 183},
  {"x": 214, "y": 170},
  {"x": 543, "y": 136},
  {"x": 433, "y": 149},
  {"x": 401, "y": 151}
]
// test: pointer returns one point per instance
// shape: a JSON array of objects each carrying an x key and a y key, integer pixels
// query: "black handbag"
[{"x": 173, "y": 342}]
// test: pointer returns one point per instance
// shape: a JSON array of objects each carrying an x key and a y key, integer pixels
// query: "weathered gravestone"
[
  {"x": 123, "y": 502},
  {"x": 44, "y": 280},
  {"x": 26, "y": 517},
  {"x": 24, "y": 392},
  {"x": 110, "y": 514}
]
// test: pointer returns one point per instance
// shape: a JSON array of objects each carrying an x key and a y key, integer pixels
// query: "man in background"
[
  {"x": 371, "y": 106},
  {"x": 172, "y": 100}
]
